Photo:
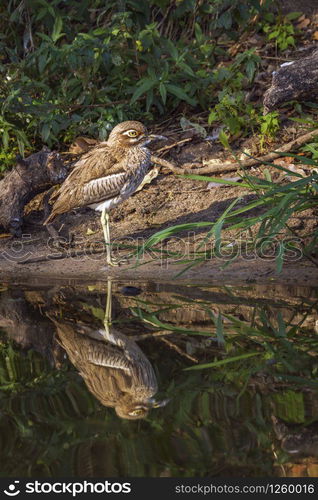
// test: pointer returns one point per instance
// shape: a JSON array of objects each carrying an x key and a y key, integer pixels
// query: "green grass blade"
[{"x": 214, "y": 364}]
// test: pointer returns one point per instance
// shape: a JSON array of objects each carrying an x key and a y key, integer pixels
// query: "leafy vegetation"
[
  {"x": 70, "y": 69},
  {"x": 281, "y": 29},
  {"x": 269, "y": 126},
  {"x": 312, "y": 148},
  {"x": 268, "y": 215},
  {"x": 232, "y": 110}
]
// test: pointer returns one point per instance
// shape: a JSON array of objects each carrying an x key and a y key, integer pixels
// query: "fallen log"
[
  {"x": 30, "y": 176},
  {"x": 297, "y": 80}
]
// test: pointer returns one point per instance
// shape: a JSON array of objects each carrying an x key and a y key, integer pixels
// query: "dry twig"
[
  {"x": 173, "y": 145},
  {"x": 176, "y": 348},
  {"x": 231, "y": 167}
]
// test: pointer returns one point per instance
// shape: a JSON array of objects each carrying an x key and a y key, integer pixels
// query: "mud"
[{"x": 169, "y": 200}]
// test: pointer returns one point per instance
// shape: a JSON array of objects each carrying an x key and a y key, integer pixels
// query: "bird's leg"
[
  {"x": 106, "y": 230},
  {"x": 108, "y": 310},
  {"x": 109, "y": 248},
  {"x": 105, "y": 224},
  {"x": 110, "y": 334},
  {"x": 115, "y": 339}
]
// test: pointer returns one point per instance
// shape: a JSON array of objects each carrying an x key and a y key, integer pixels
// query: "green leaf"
[
  {"x": 198, "y": 32},
  {"x": 291, "y": 16},
  {"x": 57, "y": 28},
  {"x": 149, "y": 99},
  {"x": 45, "y": 132},
  {"x": 223, "y": 138},
  {"x": 250, "y": 70},
  {"x": 225, "y": 20},
  {"x": 146, "y": 85},
  {"x": 44, "y": 37},
  {"x": 217, "y": 227},
  {"x": 163, "y": 92},
  {"x": 5, "y": 138},
  {"x": 222, "y": 361},
  {"x": 273, "y": 34},
  {"x": 20, "y": 146},
  {"x": 178, "y": 92},
  {"x": 290, "y": 40},
  {"x": 23, "y": 138},
  {"x": 186, "y": 68},
  {"x": 170, "y": 231},
  {"x": 42, "y": 62},
  {"x": 215, "y": 179},
  {"x": 213, "y": 116},
  {"x": 172, "y": 49}
]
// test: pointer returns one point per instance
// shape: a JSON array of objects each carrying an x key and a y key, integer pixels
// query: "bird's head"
[
  {"x": 139, "y": 410},
  {"x": 130, "y": 134}
]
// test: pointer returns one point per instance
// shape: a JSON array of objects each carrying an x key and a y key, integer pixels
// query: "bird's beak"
[
  {"x": 158, "y": 404},
  {"x": 157, "y": 137},
  {"x": 153, "y": 137}
]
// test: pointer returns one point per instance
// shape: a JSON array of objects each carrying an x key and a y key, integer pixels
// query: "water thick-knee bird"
[
  {"x": 111, "y": 363},
  {"x": 107, "y": 175}
]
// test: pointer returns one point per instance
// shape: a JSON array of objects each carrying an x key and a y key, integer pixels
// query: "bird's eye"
[
  {"x": 132, "y": 133},
  {"x": 136, "y": 413}
]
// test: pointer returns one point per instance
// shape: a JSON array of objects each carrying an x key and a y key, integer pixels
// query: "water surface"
[{"x": 158, "y": 379}]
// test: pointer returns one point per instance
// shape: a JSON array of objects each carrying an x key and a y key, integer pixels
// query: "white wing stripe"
[
  {"x": 104, "y": 187},
  {"x": 107, "y": 179}
]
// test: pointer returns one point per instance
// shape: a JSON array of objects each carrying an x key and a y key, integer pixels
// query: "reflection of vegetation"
[
  {"x": 284, "y": 349},
  {"x": 219, "y": 420},
  {"x": 44, "y": 428}
]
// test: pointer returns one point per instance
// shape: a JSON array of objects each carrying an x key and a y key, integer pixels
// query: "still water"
[{"x": 158, "y": 379}]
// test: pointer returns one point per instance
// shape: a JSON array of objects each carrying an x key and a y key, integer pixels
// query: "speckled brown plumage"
[
  {"x": 111, "y": 171},
  {"x": 115, "y": 370}
]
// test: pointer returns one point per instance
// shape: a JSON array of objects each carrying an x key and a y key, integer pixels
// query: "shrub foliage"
[{"x": 79, "y": 67}]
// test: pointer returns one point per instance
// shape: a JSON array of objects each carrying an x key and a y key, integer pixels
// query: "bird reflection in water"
[{"x": 112, "y": 365}]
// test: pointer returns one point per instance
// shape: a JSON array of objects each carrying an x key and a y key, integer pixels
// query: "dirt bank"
[{"x": 168, "y": 200}]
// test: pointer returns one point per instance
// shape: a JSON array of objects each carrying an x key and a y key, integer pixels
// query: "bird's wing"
[
  {"x": 95, "y": 163},
  {"x": 88, "y": 181},
  {"x": 103, "y": 188},
  {"x": 109, "y": 357},
  {"x": 92, "y": 165},
  {"x": 83, "y": 350}
]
